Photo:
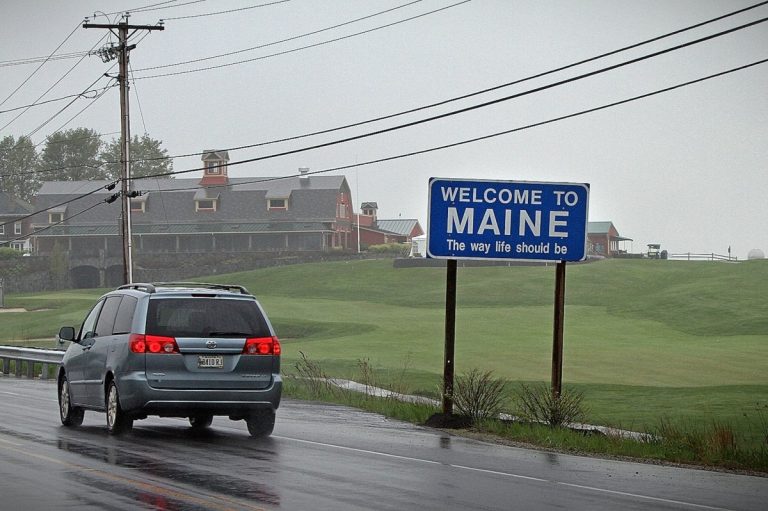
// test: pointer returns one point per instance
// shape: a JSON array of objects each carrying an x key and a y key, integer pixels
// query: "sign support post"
[
  {"x": 450, "y": 335},
  {"x": 557, "y": 338}
]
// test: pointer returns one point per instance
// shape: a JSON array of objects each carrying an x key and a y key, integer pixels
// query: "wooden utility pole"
[{"x": 121, "y": 51}]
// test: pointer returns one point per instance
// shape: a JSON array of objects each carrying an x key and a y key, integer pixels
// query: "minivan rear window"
[{"x": 205, "y": 317}]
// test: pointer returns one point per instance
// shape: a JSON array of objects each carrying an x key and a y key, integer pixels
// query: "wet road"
[{"x": 320, "y": 458}]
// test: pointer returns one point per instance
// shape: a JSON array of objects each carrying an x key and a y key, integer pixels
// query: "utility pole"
[{"x": 121, "y": 52}]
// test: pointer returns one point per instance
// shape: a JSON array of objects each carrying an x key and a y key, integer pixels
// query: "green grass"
[{"x": 686, "y": 342}]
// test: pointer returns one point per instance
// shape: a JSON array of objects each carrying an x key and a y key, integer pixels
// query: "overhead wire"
[
  {"x": 494, "y": 101},
  {"x": 40, "y": 66},
  {"x": 64, "y": 108},
  {"x": 471, "y": 140},
  {"x": 54, "y": 100},
  {"x": 54, "y": 84},
  {"x": 223, "y": 12},
  {"x": 301, "y": 48},
  {"x": 497, "y": 87},
  {"x": 273, "y": 43},
  {"x": 483, "y": 91}
]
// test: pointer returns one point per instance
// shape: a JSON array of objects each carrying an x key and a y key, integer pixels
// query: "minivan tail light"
[
  {"x": 140, "y": 343},
  {"x": 262, "y": 346}
]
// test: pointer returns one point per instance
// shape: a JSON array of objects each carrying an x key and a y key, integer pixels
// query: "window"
[
  {"x": 124, "y": 318},
  {"x": 277, "y": 204},
  {"x": 138, "y": 206},
  {"x": 2, "y": 228},
  {"x": 213, "y": 168},
  {"x": 205, "y": 205},
  {"x": 55, "y": 218},
  {"x": 107, "y": 316},
  {"x": 89, "y": 325},
  {"x": 342, "y": 211},
  {"x": 17, "y": 228}
]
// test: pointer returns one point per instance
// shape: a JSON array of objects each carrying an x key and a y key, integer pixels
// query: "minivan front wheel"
[
  {"x": 70, "y": 415},
  {"x": 117, "y": 421}
]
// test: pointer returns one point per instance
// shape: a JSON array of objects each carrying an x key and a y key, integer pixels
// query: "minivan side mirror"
[{"x": 67, "y": 333}]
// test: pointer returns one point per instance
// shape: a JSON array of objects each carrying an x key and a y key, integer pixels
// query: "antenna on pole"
[{"x": 120, "y": 52}]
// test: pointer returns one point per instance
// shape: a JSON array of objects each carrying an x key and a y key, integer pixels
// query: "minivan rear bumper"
[{"x": 137, "y": 397}]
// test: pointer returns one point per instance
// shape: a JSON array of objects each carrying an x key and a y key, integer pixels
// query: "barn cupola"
[{"x": 215, "y": 168}]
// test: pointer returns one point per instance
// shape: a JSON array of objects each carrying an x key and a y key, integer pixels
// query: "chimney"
[{"x": 304, "y": 175}]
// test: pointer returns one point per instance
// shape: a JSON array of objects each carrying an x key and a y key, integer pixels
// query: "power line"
[
  {"x": 471, "y": 140},
  {"x": 153, "y": 8},
  {"x": 54, "y": 100},
  {"x": 314, "y": 32},
  {"x": 494, "y": 101},
  {"x": 480, "y": 92},
  {"x": 33, "y": 60},
  {"x": 40, "y": 66},
  {"x": 52, "y": 86},
  {"x": 49, "y": 141},
  {"x": 67, "y": 106},
  {"x": 223, "y": 12},
  {"x": 294, "y": 50},
  {"x": 490, "y": 89}
]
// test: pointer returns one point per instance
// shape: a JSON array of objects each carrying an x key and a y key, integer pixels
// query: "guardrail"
[{"x": 25, "y": 360}]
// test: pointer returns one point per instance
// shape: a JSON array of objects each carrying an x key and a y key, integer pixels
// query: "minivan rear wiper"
[{"x": 228, "y": 334}]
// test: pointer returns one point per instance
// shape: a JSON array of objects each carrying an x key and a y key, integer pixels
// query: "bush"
[
  {"x": 396, "y": 249},
  {"x": 537, "y": 403},
  {"x": 478, "y": 395},
  {"x": 311, "y": 376}
]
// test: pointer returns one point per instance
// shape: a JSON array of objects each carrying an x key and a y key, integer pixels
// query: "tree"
[
  {"x": 71, "y": 155},
  {"x": 18, "y": 160},
  {"x": 147, "y": 157}
]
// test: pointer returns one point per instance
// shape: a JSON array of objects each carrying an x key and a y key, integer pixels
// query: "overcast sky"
[{"x": 687, "y": 168}]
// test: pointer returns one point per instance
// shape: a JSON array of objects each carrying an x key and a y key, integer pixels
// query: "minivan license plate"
[{"x": 210, "y": 361}]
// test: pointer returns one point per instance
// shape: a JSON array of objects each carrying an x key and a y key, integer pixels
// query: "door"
[{"x": 77, "y": 357}]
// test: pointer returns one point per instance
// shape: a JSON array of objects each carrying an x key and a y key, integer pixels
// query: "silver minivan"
[{"x": 172, "y": 350}]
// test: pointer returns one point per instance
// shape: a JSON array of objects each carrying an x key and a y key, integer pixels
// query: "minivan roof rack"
[
  {"x": 226, "y": 287},
  {"x": 149, "y": 288}
]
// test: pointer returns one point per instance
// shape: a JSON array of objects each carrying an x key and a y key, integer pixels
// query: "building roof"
[
  {"x": 403, "y": 226},
  {"x": 604, "y": 228},
  {"x": 599, "y": 227},
  {"x": 11, "y": 206},
  {"x": 369, "y": 205},
  {"x": 172, "y": 201}
]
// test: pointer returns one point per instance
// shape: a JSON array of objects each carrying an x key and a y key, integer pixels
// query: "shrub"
[
  {"x": 537, "y": 403},
  {"x": 478, "y": 395},
  {"x": 312, "y": 377}
]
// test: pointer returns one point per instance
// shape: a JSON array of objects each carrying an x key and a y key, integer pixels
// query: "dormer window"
[
  {"x": 205, "y": 205},
  {"x": 214, "y": 168},
  {"x": 277, "y": 204},
  {"x": 139, "y": 205},
  {"x": 205, "y": 200},
  {"x": 55, "y": 218}
]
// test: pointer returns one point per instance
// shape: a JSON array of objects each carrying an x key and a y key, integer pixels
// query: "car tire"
[
  {"x": 71, "y": 416},
  {"x": 200, "y": 421},
  {"x": 261, "y": 424},
  {"x": 117, "y": 421}
]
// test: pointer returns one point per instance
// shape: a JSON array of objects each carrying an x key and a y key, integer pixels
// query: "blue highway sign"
[{"x": 507, "y": 220}]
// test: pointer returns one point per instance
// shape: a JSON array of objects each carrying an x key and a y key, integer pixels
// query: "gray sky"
[{"x": 686, "y": 169}]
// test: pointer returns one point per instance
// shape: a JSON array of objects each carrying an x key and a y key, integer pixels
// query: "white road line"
[{"x": 507, "y": 474}]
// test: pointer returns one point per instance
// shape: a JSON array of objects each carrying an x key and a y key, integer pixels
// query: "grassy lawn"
[{"x": 644, "y": 340}]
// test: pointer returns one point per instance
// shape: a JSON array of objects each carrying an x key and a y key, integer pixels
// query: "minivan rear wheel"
[
  {"x": 261, "y": 423},
  {"x": 117, "y": 421}
]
